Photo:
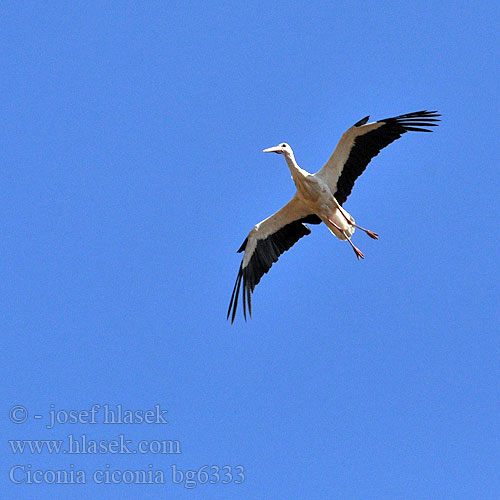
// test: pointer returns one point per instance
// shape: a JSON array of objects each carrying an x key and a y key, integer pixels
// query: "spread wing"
[
  {"x": 362, "y": 142},
  {"x": 263, "y": 246}
]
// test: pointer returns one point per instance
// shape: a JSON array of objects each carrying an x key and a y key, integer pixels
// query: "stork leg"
[
  {"x": 371, "y": 234},
  {"x": 357, "y": 251}
]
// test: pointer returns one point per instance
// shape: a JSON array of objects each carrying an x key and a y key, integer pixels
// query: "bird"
[{"x": 319, "y": 198}]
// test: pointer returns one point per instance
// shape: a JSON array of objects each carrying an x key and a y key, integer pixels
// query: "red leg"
[
  {"x": 357, "y": 251},
  {"x": 371, "y": 234}
]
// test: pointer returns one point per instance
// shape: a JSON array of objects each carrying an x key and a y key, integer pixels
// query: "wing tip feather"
[{"x": 362, "y": 121}]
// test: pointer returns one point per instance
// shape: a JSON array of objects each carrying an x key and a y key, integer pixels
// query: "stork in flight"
[{"x": 319, "y": 198}]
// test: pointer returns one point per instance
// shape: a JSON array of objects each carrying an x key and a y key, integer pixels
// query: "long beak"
[{"x": 276, "y": 149}]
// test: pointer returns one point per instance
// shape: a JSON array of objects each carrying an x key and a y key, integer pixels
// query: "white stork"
[{"x": 319, "y": 198}]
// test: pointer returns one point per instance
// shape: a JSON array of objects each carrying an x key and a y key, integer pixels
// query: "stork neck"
[{"x": 297, "y": 172}]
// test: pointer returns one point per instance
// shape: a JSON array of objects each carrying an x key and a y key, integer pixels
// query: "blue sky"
[{"x": 132, "y": 172}]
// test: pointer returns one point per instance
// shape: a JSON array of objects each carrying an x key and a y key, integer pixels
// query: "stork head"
[{"x": 281, "y": 149}]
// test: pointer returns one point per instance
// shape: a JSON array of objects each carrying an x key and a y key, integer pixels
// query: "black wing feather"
[
  {"x": 265, "y": 254},
  {"x": 311, "y": 219},
  {"x": 369, "y": 145}
]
